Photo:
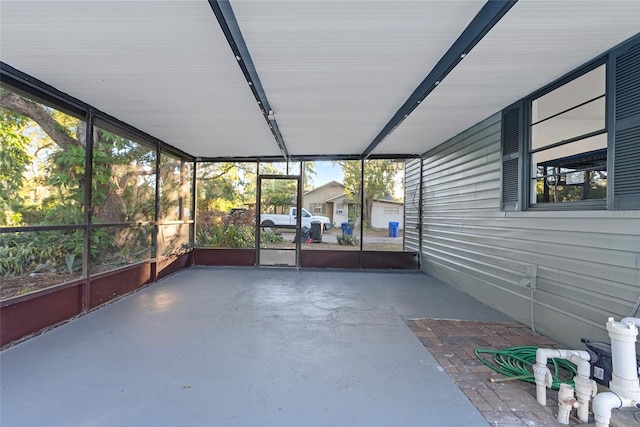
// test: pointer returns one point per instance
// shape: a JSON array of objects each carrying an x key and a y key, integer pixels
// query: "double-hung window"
[
  {"x": 318, "y": 208},
  {"x": 568, "y": 141},
  {"x": 576, "y": 143}
]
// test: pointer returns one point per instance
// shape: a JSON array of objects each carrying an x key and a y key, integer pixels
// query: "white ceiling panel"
[
  {"x": 537, "y": 42},
  {"x": 164, "y": 67},
  {"x": 336, "y": 71}
]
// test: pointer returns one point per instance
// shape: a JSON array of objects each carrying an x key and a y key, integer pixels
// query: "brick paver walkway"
[{"x": 504, "y": 404}]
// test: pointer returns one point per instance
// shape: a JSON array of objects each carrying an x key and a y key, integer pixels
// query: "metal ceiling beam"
[
  {"x": 229, "y": 25},
  {"x": 481, "y": 24},
  {"x": 306, "y": 158}
]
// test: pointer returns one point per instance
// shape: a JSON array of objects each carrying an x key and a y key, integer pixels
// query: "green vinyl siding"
[
  {"x": 585, "y": 265},
  {"x": 412, "y": 205}
]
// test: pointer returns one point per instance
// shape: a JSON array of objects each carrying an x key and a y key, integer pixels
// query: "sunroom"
[{"x": 489, "y": 148}]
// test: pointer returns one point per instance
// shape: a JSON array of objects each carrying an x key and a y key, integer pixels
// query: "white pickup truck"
[{"x": 270, "y": 220}]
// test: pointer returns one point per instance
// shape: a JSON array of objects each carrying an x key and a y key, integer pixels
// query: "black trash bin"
[{"x": 316, "y": 231}]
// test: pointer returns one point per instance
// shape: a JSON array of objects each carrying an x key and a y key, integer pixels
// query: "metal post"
[
  {"x": 85, "y": 302},
  {"x": 298, "y": 233},
  {"x": 420, "y": 211},
  {"x": 361, "y": 209},
  {"x": 194, "y": 204},
  {"x": 156, "y": 216},
  {"x": 257, "y": 213}
]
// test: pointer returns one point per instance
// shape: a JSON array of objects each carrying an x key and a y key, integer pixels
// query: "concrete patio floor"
[{"x": 247, "y": 347}]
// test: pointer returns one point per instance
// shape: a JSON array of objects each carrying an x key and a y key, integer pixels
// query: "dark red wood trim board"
[
  {"x": 27, "y": 316},
  {"x": 108, "y": 286},
  {"x": 390, "y": 260},
  {"x": 226, "y": 257},
  {"x": 329, "y": 259},
  {"x": 314, "y": 259},
  {"x": 171, "y": 265},
  {"x": 356, "y": 259}
]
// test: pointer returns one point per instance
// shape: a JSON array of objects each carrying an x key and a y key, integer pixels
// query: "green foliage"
[
  {"x": 558, "y": 190},
  {"x": 64, "y": 177},
  {"x": 21, "y": 253},
  {"x": 226, "y": 236},
  {"x": 68, "y": 168},
  {"x": 309, "y": 172},
  {"x": 123, "y": 179},
  {"x": 172, "y": 189},
  {"x": 381, "y": 176},
  {"x": 42, "y": 182},
  {"x": 345, "y": 239},
  {"x": 225, "y": 185},
  {"x": 14, "y": 158},
  {"x": 354, "y": 215},
  {"x": 100, "y": 182},
  {"x": 115, "y": 246},
  {"x": 270, "y": 238},
  {"x": 278, "y": 193},
  {"x": 225, "y": 230}
]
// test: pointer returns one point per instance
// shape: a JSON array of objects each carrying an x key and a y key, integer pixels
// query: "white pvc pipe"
[
  {"x": 543, "y": 380},
  {"x": 625, "y": 389},
  {"x": 585, "y": 388},
  {"x": 603, "y": 403},
  {"x": 623, "y": 349},
  {"x": 623, "y": 336},
  {"x": 634, "y": 320},
  {"x": 542, "y": 354},
  {"x": 566, "y": 402}
]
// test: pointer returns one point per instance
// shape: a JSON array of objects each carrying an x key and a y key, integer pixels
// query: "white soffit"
[
  {"x": 164, "y": 67},
  {"x": 535, "y": 43},
  {"x": 336, "y": 71}
]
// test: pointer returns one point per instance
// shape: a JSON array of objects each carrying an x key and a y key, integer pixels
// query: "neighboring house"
[
  {"x": 330, "y": 200},
  {"x": 325, "y": 200},
  {"x": 341, "y": 208}
]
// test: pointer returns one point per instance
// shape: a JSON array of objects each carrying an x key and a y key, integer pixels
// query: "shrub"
[
  {"x": 270, "y": 237},
  {"x": 347, "y": 240},
  {"x": 225, "y": 236},
  {"x": 21, "y": 253}
]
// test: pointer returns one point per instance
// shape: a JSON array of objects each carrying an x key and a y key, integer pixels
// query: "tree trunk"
[
  {"x": 113, "y": 208},
  {"x": 368, "y": 209},
  {"x": 38, "y": 114}
]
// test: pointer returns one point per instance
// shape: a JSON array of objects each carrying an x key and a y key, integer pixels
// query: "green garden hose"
[{"x": 518, "y": 362}]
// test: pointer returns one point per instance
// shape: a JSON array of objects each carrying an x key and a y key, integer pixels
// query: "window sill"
[{"x": 585, "y": 205}]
